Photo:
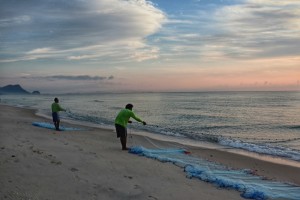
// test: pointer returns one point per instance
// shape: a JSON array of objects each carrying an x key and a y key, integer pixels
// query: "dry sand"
[{"x": 40, "y": 164}]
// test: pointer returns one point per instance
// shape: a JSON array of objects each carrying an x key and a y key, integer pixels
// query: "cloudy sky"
[{"x": 159, "y": 45}]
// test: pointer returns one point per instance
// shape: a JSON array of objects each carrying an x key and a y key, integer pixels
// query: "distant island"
[
  {"x": 15, "y": 89},
  {"x": 36, "y": 92}
]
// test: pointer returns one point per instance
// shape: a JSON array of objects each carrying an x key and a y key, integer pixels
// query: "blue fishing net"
[
  {"x": 244, "y": 181},
  {"x": 51, "y": 126}
]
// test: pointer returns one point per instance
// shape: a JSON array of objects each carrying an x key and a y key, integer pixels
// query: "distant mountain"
[{"x": 13, "y": 89}]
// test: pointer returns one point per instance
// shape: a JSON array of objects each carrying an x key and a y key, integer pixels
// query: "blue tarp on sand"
[
  {"x": 250, "y": 185},
  {"x": 51, "y": 126}
]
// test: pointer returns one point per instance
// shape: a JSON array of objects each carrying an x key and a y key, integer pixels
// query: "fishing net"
[
  {"x": 51, "y": 126},
  {"x": 250, "y": 185}
]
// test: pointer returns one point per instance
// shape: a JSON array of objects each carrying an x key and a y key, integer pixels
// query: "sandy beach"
[{"x": 43, "y": 164}]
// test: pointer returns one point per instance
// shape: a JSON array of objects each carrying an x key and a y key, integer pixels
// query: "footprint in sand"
[
  {"x": 16, "y": 160},
  {"x": 152, "y": 197},
  {"x": 37, "y": 151},
  {"x": 78, "y": 147},
  {"x": 48, "y": 157},
  {"x": 73, "y": 169},
  {"x": 129, "y": 177},
  {"x": 93, "y": 154},
  {"x": 56, "y": 162}
]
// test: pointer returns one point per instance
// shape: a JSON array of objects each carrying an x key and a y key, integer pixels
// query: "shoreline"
[
  {"x": 185, "y": 142},
  {"x": 195, "y": 146},
  {"x": 90, "y": 163},
  {"x": 217, "y": 147}
]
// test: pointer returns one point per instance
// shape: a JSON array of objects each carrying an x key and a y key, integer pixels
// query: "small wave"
[
  {"x": 262, "y": 148},
  {"x": 180, "y": 133},
  {"x": 291, "y": 127},
  {"x": 294, "y": 127},
  {"x": 158, "y": 130},
  {"x": 98, "y": 101},
  {"x": 88, "y": 118}
]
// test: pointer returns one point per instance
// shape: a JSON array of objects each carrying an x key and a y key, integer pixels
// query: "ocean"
[{"x": 267, "y": 123}]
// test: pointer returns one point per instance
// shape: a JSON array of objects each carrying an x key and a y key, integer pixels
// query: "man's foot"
[{"x": 124, "y": 149}]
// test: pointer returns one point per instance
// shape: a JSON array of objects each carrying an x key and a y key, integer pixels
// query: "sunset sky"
[{"x": 58, "y": 46}]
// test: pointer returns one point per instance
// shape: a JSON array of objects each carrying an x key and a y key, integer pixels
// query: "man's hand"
[
  {"x": 144, "y": 123},
  {"x": 129, "y": 121}
]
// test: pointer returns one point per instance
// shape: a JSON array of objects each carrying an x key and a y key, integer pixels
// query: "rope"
[
  {"x": 152, "y": 142},
  {"x": 129, "y": 131}
]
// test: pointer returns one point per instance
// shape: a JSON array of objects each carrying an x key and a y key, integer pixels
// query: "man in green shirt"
[
  {"x": 55, "y": 107},
  {"x": 121, "y": 123}
]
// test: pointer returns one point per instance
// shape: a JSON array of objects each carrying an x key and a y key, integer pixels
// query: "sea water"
[{"x": 261, "y": 122}]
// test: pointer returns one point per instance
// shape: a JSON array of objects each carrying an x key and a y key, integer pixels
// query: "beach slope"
[{"x": 38, "y": 163}]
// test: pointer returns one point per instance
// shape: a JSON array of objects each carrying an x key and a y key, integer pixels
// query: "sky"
[{"x": 70, "y": 46}]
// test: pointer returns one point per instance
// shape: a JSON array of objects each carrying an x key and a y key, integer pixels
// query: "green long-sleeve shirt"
[
  {"x": 56, "y": 107},
  {"x": 124, "y": 116}
]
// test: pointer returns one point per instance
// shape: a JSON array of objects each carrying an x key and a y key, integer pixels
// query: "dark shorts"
[
  {"x": 121, "y": 131},
  {"x": 55, "y": 117}
]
